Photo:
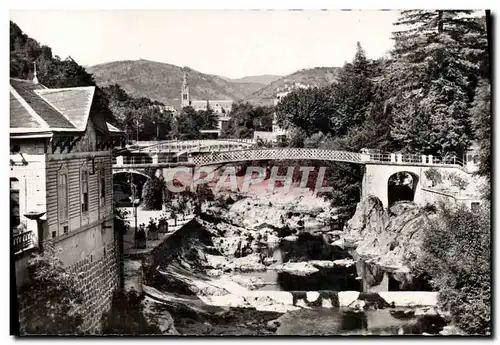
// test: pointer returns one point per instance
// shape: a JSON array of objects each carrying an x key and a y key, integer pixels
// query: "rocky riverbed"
[{"x": 259, "y": 265}]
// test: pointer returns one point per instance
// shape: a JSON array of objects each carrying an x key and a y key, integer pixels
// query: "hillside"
[
  {"x": 264, "y": 79},
  {"x": 318, "y": 76},
  {"x": 162, "y": 81}
]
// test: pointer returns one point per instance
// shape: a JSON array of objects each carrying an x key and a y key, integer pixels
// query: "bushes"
[
  {"x": 458, "y": 181},
  {"x": 53, "y": 295},
  {"x": 434, "y": 175},
  {"x": 120, "y": 222},
  {"x": 456, "y": 254},
  {"x": 127, "y": 317}
]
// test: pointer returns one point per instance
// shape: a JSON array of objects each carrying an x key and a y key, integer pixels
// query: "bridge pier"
[{"x": 376, "y": 181}]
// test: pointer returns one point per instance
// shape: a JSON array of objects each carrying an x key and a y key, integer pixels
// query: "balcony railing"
[{"x": 22, "y": 241}]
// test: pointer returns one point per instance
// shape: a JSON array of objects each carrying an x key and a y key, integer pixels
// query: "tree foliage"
[
  {"x": 53, "y": 296},
  {"x": 186, "y": 125},
  {"x": 481, "y": 121},
  {"x": 139, "y": 117},
  {"x": 309, "y": 109},
  {"x": 152, "y": 193},
  {"x": 246, "y": 119},
  {"x": 207, "y": 119},
  {"x": 434, "y": 58},
  {"x": 456, "y": 254}
]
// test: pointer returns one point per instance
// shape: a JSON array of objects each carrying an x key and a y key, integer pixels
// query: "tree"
[
  {"x": 53, "y": 295},
  {"x": 481, "y": 121},
  {"x": 207, "y": 118},
  {"x": 187, "y": 124},
  {"x": 430, "y": 74},
  {"x": 52, "y": 71},
  {"x": 308, "y": 109},
  {"x": 245, "y": 119},
  {"x": 456, "y": 254},
  {"x": 152, "y": 193},
  {"x": 352, "y": 93}
]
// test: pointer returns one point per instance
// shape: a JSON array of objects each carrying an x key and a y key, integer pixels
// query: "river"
[{"x": 293, "y": 264}]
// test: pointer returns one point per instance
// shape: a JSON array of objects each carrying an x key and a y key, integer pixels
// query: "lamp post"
[
  {"x": 34, "y": 215},
  {"x": 135, "y": 202}
]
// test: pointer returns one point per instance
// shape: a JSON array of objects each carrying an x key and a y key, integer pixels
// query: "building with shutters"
[{"x": 61, "y": 188}]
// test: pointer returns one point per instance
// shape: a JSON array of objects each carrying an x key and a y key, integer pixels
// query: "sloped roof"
[
  {"x": 35, "y": 108},
  {"x": 20, "y": 116},
  {"x": 113, "y": 129},
  {"x": 73, "y": 102},
  {"x": 27, "y": 108}
]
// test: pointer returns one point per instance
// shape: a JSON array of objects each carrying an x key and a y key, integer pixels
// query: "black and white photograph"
[{"x": 257, "y": 173}]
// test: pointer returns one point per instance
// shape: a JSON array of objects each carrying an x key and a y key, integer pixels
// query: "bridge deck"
[{"x": 223, "y": 157}]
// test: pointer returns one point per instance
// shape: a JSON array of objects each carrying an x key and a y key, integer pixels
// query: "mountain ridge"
[{"x": 162, "y": 81}]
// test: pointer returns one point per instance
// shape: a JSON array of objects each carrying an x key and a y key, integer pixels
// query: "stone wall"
[
  {"x": 99, "y": 277},
  {"x": 376, "y": 177}
]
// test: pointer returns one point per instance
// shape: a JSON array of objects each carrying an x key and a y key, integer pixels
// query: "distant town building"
[
  {"x": 61, "y": 187},
  {"x": 219, "y": 107}
]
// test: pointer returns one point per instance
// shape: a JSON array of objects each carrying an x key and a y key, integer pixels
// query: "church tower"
[{"x": 185, "y": 100}]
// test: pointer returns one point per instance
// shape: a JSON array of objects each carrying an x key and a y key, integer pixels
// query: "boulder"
[
  {"x": 296, "y": 268},
  {"x": 312, "y": 296},
  {"x": 388, "y": 238},
  {"x": 273, "y": 325}
]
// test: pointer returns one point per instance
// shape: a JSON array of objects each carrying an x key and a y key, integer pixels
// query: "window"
[
  {"x": 184, "y": 96},
  {"x": 102, "y": 187},
  {"x": 475, "y": 207},
  {"x": 15, "y": 219},
  {"x": 84, "y": 183},
  {"x": 62, "y": 196}
]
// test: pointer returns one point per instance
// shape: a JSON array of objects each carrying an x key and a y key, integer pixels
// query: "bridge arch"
[
  {"x": 131, "y": 171},
  {"x": 401, "y": 186}
]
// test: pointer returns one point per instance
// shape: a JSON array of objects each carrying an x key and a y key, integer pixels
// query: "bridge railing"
[
  {"x": 414, "y": 159},
  {"x": 277, "y": 154},
  {"x": 380, "y": 157},
  {"x": 185, "y": 144},
  {"x": 224, "y": 153}
]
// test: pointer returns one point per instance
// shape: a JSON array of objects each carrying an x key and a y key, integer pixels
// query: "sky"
[{"x": 231, "y": 43}]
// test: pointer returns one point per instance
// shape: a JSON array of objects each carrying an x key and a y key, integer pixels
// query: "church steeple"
[{"x": 185, "y": 99}]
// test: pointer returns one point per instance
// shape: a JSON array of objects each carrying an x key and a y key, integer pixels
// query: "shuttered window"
[
  {"x": 62, "y": 196},
  {"x": 102, "y": 187},
  {"x": 15, "y": 219},
  {"x": 84, "y": 187}
]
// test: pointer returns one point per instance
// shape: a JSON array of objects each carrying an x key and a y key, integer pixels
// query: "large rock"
[
  {"x": 296, "y": 268},
  {"x": 386, "y": 240},
  {"x": 161, "y": 318},
  {"x": 370, "y": 218}
]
